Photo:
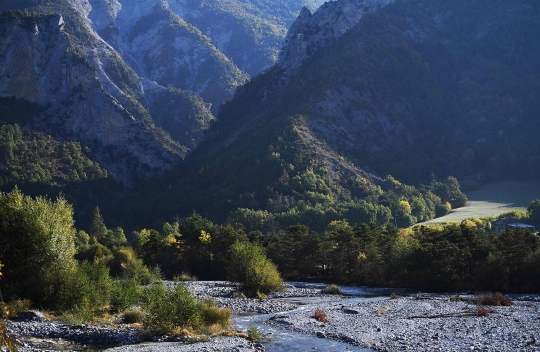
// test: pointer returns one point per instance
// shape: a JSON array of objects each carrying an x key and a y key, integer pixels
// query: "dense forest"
[{"x": 84, "y": 271}]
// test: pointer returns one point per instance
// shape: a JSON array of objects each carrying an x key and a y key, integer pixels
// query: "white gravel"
[
  {"x": 218, "y": 344},
  {"x": 429, "y": 324}
]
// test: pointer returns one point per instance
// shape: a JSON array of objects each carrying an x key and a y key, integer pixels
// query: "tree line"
[{"x": 54, "y": 265}]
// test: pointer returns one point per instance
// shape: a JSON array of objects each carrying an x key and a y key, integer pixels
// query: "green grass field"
[{"x": 494, "y": 199}]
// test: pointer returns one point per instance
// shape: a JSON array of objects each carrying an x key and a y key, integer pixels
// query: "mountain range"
[{"x": 312, "y": 123}]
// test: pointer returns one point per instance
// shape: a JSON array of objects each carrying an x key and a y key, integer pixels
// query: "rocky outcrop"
[
  {"x": 311, "y": 32},
  {"x": 42, "y": 63},
  {"x": 173, "y": 53}
]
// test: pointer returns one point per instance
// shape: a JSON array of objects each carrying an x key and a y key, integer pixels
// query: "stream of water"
[{"x": 280, "y": 340}]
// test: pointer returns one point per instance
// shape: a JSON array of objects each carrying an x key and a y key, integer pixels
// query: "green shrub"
[
  {"x": 133, "y": 316},
  {"x": 249, "y": 266},
  {"x": 168, "y": 309},
  {"x": 253, "y": 333},
  {"x": 36, "y": 245},
  {"x": 185, "y": 276},
  {"x": 135, "y": 269},
  {"x": 17, "y": 306},
  {"x": 332, "y": 290},
  {"x": 96, "y": 284},
  {"x": 211, "y": 314},
  {"x": 125, "y": 293}
]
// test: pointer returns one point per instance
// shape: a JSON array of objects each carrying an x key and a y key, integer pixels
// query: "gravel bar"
[
  {"x": 424, "y": 323},
  {"x": 217, "y": 344}
]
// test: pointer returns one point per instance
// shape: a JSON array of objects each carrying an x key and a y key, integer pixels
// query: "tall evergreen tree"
[{"x": 97, "y": 226}]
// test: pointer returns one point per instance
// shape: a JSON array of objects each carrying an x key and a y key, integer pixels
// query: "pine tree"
[{"x": 97, "y": 226}]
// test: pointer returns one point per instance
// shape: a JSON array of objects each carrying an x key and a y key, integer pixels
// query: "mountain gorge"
[
  {"x": 363, "y": 111},
  {"x": 419, "y": 90},
  {"x": 133, "y": 81}
]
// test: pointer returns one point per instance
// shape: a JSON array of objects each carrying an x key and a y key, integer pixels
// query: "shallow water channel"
[{"x": 281, "y": 340}]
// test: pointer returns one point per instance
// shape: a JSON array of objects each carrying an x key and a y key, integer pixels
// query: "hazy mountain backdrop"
[{"x": 313, "y": 121}]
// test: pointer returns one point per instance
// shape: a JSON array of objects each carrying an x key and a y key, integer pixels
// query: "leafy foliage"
[
  {"x": 37, "y": 243},
  {"x": 168, "y": 309},
  {"x": 249, "y": 266}
]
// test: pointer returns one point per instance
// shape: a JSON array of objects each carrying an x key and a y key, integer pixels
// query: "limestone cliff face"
[
  {"x": 173, "y": 53},
  {"x": 310, "y": 32},
  {"x": 42, "y": 63},
  {"x": 249, "y": 33}
]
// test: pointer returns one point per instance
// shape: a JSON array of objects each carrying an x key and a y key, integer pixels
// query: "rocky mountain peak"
[{"x": 311, "y": 32}]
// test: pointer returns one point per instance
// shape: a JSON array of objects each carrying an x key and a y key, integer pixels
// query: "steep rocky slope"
[
  {"x": 84, "y": 89},
  {"x": 104, "y": 68},
  {"x": 249, "y": 33},
  {"x": 311, "y": 32},
  {"x": 417, "y": 89}
]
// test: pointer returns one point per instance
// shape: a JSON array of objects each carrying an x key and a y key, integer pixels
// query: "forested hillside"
[
  {"x": 418, "y": 90},
  {"x": 373, "y": 112}
]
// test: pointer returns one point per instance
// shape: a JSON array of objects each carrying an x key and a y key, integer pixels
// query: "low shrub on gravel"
[
  {"x": 185, "y": 276},
  {"x": 132, "y": 316},
  {"x": 482, "y": 312},
  {"x": 211, "y": 314},
  {"x": 249, "y": 266},
  {"x": 17, "y": 306},
  {"x": 494, "y": 299},
  {"x": 167, "y": 310},
  {"x": 332, "y": 290},
  {"x": 320, "y": 315},
  {"x": 253, "y": 333}
]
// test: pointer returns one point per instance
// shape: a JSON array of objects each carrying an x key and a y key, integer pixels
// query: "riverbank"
[
  {"x": 425, "y": 323},
  {"x": 416, "y": 322}
]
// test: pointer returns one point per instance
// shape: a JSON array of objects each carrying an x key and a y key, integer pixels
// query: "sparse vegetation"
[
  {"x": 133, "y": 316},
  {"x": 211, "y": 314},
  {"x": 253, "y": 333},
  {"x": 332, "y": 290},
  {"x": 320, "y": 315},
  {"x": 482, "y": 312},
  {"x": 494, "y": 299}
]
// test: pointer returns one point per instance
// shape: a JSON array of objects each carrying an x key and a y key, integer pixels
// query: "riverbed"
[{"x": 362, "y": 319}]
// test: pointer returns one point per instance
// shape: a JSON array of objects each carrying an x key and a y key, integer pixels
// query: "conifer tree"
[{"x": 97, "y": 226}]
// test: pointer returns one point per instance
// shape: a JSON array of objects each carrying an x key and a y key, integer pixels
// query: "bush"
[
  {"x": 169, "y": 309},
  {"x": 37, "y": 246},
  {"x": 332, "y": 290},
  {"x": 211, "y": 314},
  {"x": 15, "y": 307},
  {"x": 482, "y": 312},
  {"x": 249, "y": 266},
  {"x": 185, "y": 276},
  {"x": 132, "y": 316},
  {"x": 320, "y": 315},
  {"x": 125, "y": 293},
  {"x": 494, "y": 299},
  {"x": 253, "y": 333}
]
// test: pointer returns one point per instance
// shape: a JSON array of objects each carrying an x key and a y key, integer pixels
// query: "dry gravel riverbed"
[
  {"x": 425, "y": 323},
  {"x": 416, "y": 322}
]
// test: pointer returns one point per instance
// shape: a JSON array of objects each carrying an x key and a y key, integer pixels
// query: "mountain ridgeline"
[
  {"x": 419, "y": 90},
  {"x": 137, "y": 83},
  {"x": 365, "y": 110}
]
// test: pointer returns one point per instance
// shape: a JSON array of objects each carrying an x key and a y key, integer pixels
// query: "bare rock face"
[
  {"x": 173, "y": 53},
  {"x": 42, "y": 63},
  {"x": 311, "y": 32}
]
